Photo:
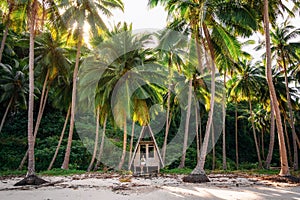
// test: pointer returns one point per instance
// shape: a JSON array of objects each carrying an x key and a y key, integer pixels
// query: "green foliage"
[
  {"x": 61, "y": 172},
  {"x": 176, "y": 171}
]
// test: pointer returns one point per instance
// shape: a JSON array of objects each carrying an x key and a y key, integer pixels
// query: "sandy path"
[{"x": 85, "y": 187}]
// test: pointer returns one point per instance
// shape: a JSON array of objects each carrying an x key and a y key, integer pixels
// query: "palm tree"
[
  {"x": 170, "y": 44},
  {"x": 246, "y": 86},
  {"x": 285, "y": 53},
  {"x": 61, "y": 100},
  {"x": 77, "y": 13},
  {"x": 284, "y": 171},
  {"x": 116, "y": 91},
  {"x": 31, "y": 178},
  {"x": 199, "y": 16},
  {"x": 14, "y": 86},
  {"x": 52, "y": 63},
  {"x": 32, "y": 19}
]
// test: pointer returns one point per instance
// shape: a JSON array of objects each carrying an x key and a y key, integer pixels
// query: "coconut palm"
[
  {"x": 169, "y": 50},
  {"x": 76, "y": 14},
  {"x": 203, "y": 18},
  {"x": 123, "y": 53},
  {"x": 284, "y": 52},
  {"x": 246, "y": 87},
  {"x": 14, "y": 87},
  {"x": 51, "y": 63},
  {"x": 61, "y": 100}
]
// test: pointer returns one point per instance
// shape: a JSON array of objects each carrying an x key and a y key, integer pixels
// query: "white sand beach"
[{"x": 91, "y": 186}]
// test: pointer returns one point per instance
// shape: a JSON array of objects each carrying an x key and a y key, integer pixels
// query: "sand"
[{"x": 99, "y": 186}]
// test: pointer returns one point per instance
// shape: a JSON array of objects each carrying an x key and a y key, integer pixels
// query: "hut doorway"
[{"x": 146, "y": 157}]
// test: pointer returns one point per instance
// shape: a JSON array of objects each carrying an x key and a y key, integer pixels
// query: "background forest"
[{"x": 50, "y": 35}]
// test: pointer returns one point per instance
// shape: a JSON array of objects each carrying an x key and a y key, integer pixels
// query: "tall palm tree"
[
  {"x": 52, "y": 63},
  {"x": 246, "y": 87},
  {"x": 32, "y": 21},
  {"x": 201, "y": 17},
  {"x": 116, "y": 89},
  {"x": 284, "y": 171},
  {"x": 61, "y": 100},
  {"x": 77, "y": 13},
  {"x": 169, "y": 50},
  {"x": 285, "y": 53}
]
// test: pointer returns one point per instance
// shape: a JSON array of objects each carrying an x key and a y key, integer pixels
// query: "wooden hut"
[{"x": 146, "y": 148}]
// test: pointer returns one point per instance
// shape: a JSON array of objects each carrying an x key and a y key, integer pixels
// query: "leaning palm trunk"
[
  {"x": 124, "y": 144},
  {"x": 164, "y": 148},
  {"x": 284, "y": 171},
  {"x": 224, "y": 124},
  {"x": 40, "y": 114},
  {"x": 291, "y": 118},
  {"x": 131, "y": 142},
  {"x": 5, "y": 114},
  {"x": 96, "y": 141},
  {"x": 102, "y": 145},
  {"x": 288, "y": 144},
  {"x": 198, "y": 174},
  {"x": 65, "y": 164},
  {"x": 187, "y": 122},
  {"x": 3, "y": 41},
  {"x": 8, "y": 21},
  {"x": 60, "y": 139},
  {"x": 197, "y": 134},
  {"x": 254, "y": 134},
  {"x": 214, "y": 149},
  {"x": 272, "y": 138},
  {"x": 236, "y": 137}
]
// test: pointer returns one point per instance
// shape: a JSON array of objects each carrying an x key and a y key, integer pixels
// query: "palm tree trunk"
[
  {"x": 31, "y": 163},
  {"x": 214, "y": 149},
  {"x": 43, "y": 101},
  {"x": 11, "y": 6},
  {"x": 254, "y": 134},
  {"x": 40, "y": 114},
  {"x": 131, "y": 143},
  {"x": 124, "y": 144},
  {"x": 102, "y": 145},
  {"x": 224, "y": 124},
  {"x": 262, "y": 144},
  {"x": 60, "y": 139},
  {"x": 291, "y": 117},
  {"x": 272, "y": 138},
  {"x": 187, "y": 122},
  {"x": 298, "y": 142},
  {"x": 199, "y": 169},
  {"x": 236, "y": 137},
  {"x": 284, "y": 171},
  {"x": 198, "y": 51},
  {"x": 197, "y": 134},
  {"x": 3, "y": 41},
  {"x": 288, "y": 142},
  {"x": 65, "y": 164},
  {"x": 200, "y": 129},
  {"x": 164, "y": 148},
  {"x": 5, "y": 114},
  {"x": 96, "y": 141}
]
